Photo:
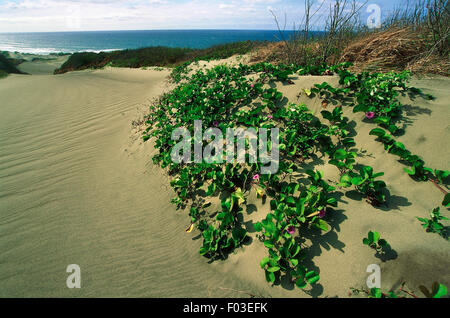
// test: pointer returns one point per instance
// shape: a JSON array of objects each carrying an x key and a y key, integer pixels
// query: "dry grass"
[
  {"x": 393, "y": 49},
  {"x": 272, "y": 52},
  {"x": 276, "y": 52},
  {"x": 433, "y": 64}
]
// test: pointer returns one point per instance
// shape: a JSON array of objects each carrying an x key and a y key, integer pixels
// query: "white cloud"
[
  {"x": 158, "y": 2},
  {"x": 226, "y": 6},
  {"x": 62, "y": 15},
  {"x": 261, "y": 1}
]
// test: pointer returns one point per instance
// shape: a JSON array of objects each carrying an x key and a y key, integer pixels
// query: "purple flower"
[
  {"x": 291, "y": 229},
  {"x": 216, "y": 124},
  {"x": 370, "y": 115},
  {"x": 256, "y": 177},
  {"x": 322, "y": 213}
]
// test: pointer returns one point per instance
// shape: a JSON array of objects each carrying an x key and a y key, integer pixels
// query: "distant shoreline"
[
  {"x": 45, "y": 43},
  {"x": 157, "y": 30}
]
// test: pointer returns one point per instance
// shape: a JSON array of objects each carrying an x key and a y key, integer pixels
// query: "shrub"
[
  {"x": 8, "y": 67},
  {"x": 153, "y": 56}
]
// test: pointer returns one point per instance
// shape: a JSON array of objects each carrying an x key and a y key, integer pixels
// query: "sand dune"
[
  {"x": 339, "y": 255},
  {"x": 75, "y": 192},
  {"x": 78, "y": 187}
]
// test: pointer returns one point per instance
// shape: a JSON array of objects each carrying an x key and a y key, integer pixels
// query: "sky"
[{"x": 92, "y": 15}]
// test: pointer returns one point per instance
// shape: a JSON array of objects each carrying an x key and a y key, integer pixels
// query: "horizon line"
[{"x": 136, "y": 30}]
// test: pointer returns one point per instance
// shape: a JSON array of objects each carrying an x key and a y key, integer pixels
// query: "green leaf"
[
  {"x": 269, "y": 226},
  {"x": 295, "y": 251},
  {"x": 273, "y": 269},
  {"x": 374, "y": 236},
  {"x": 349, "y": 142},
  {"x": 294, "y": 261},
  {"x": 300, "y": 283},
  {"x": 211, "y": 189},
  {"x": 377, "y": 132},
  {"x": 446, "y": 201},
  {"x": 441, "y": 175},
  {"x": 382, "y": 120},
  {"x": 366, "y": 171},
  {"x": 441, "y": 291},
  {"x": 312, "y": 277},
  {"x": 239, "y": 235},
  {"x": 357, "y": 181},
  {"x": 273, "y": 205},
  {"x": 340, "y": 154},
  {"x": 270, "y": 277},
  {"x": 393, "y": 129},
  {"x": 375, "y": 292},
  {"x": 290, "y": 200},
  {"x": 345, "y": 181},
  {"x": 327, "y": 115},
  {"x": 332, "y": 202},
  {"x": 293, "y": 152},
  {"x": 399, "y": 145},
  {"x": 321, "y": 224},
  {"x": 300, "y": 207},
  {"x": 264, "y": 262},
  {"x": 268, "y": 244},
  {"x": 422, "y": 220},
  {"x": 379, "y": 174}
]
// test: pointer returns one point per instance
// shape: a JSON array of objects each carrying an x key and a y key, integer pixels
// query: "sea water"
[{"x": 95, "y": 41}]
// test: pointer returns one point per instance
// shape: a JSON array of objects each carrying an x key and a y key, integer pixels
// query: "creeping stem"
[{"x": 438, "y": 186}]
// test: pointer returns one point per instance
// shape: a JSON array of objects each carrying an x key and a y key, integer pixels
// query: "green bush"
[
  {"x": 7, "y": 66},
  {"x": 153, "y": 56}
]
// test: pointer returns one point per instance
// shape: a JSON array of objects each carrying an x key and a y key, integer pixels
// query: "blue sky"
[{"x": 79, "y": 15}]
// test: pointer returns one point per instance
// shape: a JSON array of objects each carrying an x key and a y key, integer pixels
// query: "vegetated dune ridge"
[
  {"x": 41, "y": 65},
  {"x": 78, "y": 187}
]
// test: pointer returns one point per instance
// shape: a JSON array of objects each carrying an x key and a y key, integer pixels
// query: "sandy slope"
[
  {"x": 38, "y": 64},
  {"x": 78, "y": 187},
  {"x": 73, "y": 192}
]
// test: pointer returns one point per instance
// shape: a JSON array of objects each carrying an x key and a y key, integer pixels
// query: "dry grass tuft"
[
  {"x": 277, "y": 52},
  {"x": 272, "y": 52},
  {"x": 395, "y": 49}
]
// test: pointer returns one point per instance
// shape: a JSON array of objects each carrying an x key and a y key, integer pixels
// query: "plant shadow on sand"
[
  {"x": 406, "y": 120},
  {"x": 393, "y": 202},
  {"x": 414, "y": 92},
  {"x": 387, "y": 253}
]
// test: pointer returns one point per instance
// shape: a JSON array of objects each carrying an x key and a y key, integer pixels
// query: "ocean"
[{"x": 96, "y": 41}]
